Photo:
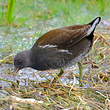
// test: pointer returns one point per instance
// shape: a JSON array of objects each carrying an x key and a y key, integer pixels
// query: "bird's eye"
[{"x": 19, "y": 62}]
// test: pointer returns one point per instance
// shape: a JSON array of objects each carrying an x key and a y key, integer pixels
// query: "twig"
[{"x": 8, "y": 81}]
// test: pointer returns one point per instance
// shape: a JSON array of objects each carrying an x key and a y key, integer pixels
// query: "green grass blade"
[{"x": 10, "y": 12}]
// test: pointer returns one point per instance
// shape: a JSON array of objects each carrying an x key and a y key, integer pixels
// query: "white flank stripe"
[
  {"x": 52, "y": 46},
  {"x": 48, "y": 46},
  {"x": 65, "y": 51}
]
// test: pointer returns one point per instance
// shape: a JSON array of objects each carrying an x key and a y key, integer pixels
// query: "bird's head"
[{"x": 22, "y": 60}]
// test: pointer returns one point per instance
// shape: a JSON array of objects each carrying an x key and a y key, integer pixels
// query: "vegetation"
[
  {"x": 21, "y": 23},
  {"x": 67, "y": 11}
]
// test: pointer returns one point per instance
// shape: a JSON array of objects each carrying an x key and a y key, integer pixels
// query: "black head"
[{"x": 22, "y": 60}]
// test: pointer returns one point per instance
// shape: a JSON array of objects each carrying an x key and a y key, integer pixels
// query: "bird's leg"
[
  {"x": 58, "y": 76},
  {"x": 80, "y": 73}
]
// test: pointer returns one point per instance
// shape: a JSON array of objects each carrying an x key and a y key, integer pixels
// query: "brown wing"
[{"x": 63, "y": 37}]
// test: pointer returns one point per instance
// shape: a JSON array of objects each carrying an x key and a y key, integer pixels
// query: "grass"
[
  {"x": 67, "y": 11},
  {"x": 22, "y": 22},
  {"x": 10, "y": 11}
]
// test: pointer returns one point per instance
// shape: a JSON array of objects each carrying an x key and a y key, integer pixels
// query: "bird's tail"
[{"x": 93, "y": 24}]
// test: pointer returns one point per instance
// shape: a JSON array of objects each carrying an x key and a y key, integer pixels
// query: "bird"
[{"x": 59, "y": 48}]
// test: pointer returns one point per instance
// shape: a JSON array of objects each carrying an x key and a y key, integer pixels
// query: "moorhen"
[{"x": 59, "y": 48}]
